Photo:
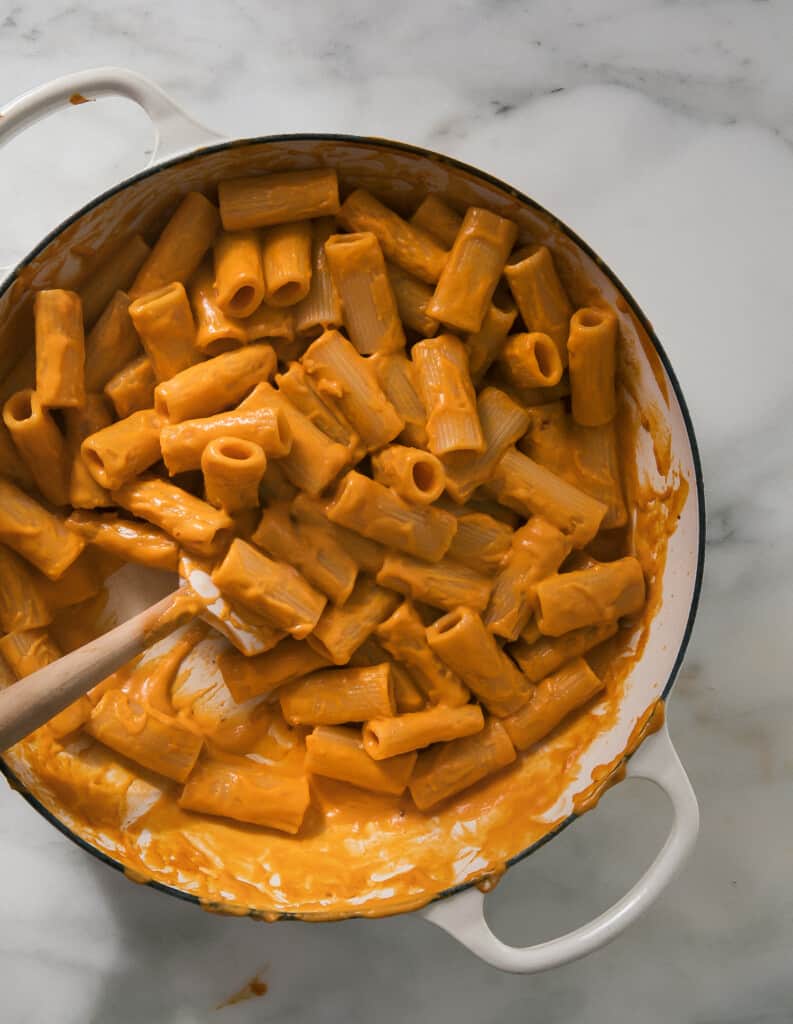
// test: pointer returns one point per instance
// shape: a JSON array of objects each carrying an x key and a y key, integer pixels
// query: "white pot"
[{"x": 188, "y": 156}]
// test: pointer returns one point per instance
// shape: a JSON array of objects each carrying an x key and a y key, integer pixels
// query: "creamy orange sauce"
[{"x": 358, "y": 852}]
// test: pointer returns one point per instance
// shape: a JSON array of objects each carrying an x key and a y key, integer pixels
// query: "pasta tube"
[
  {"x": 239, "y": 278},
  {"x": 540, "y": 297},
  {"x": 407, "y": 695},
  {"x": 553, "y": 700},
  {"x": 247, "y": 792},
  {"x": 132, "y": 388},
  {"x": 123, "y": 450},
  {"x": 214, "y": 385},
  {"x": 448, "y": 396},
  {"x": 286, "y": 259},
  {"x": 461, "y": 640},
  {"x": 320, "y": 310},
  {"x": 531, "y": 360},
  {"x": 481, "y": 542},
  {"x": 216, "y": 331},
  {"x": 167, "y": 332},
  {"x": 446, "y": 770},
  {"x": 115, "y": 273},
  {"x": 248, "y": 631},
  {"x": 369, "y": 306},
  {"x": 475, "y": 264},
  {"x": 586, "y": 457},
  {"x": 145, "y": 735},
  {"x": 375, "y": 511},
  {"x": 269, "y": 324},
  {"x": 12, "y": 466},
  {"x": 589, "y": 597},
  {"x": 538, "y": 549},
  {"x": 40, "y": 443},
  {"x": 82, "y": 422},
  {"x": 28, "y": 650},
  {"x": 503, "y": 422},
  {"x": 298, "y": 388},
  {"x": 312, "y": 550},
  {"x": 22, "y": 603},
  {"x": 262, "y": 674},
  {"x": 60, "y": 348},
  {"x": 260, "y": 201},
  {"x": 438, "y": 219},
  {"x": 334, "y": 696},
  {"x": 273, "y": 589},
  {"x": 341, "y": 630},
  {"x": 192, "y": 523},
  {"x": 233, "y": 469},
  {"x": 404, "y": 244},
  {"x": 484, "y": 345},
  {"x": 313, "y": 460},
  {"x": 349, "y": 382},
  {"x": 522, "y": 484},
  {"x": 541, "y": 656},
  {"x": 36, "y": 534},
  {"x": 81, "y": 581},
  {"x": 125, "y": 539},
  {"x": 111, "y": 344},
  {"x": 368, "y": 555},
  {"x": 389, "y": 737},
  {"x": 413, "y": 474},
  {"x": 592, "y": 349},
  {"x": 412, "y": 298},
  {"x": 338, "y": 753},
  {"x": 402, "y": 634},
  {"x": 183, "y": 443},
  {"x": 396, "y": 375},
  {"x": 442, "y": 584},
  {"x": 183, "y": 243}
]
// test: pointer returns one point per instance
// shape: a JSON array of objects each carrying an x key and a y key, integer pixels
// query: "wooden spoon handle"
[{"x": 34, "y": 700}]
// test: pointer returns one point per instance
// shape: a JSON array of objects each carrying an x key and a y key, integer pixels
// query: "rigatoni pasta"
[
  {"x": 404, "y": 244},
  {"x": 448, "y": 395},
  {"x": 472, "y": 271},
  {"x": 60, "y": 349},
  {"x": 397, "y": 463},
  {"x": 369, "y": 306},
  {"x": 40, "y": 443}
]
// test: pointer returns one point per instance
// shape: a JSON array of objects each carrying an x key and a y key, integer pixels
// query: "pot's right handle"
[
  {"x": 174, "y": 131},
  {"x": 462, "y": 916}
]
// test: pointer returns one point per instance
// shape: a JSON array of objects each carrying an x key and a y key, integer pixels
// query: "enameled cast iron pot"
[{"x": 186, "y": 155}]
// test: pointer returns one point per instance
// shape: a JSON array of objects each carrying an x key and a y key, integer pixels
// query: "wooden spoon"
[{"x": 28, "y": 704}]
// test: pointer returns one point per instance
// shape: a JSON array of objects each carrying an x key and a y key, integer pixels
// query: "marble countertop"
[{"x": 662, "y": 133}]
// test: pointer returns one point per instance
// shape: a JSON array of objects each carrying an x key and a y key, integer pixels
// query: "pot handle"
[
  {"x": 174, "y": 131},
  {"x": 462, "y": 916}
]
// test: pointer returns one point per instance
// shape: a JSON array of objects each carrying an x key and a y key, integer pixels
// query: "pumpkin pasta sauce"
[{"x": 357, "y": 852}]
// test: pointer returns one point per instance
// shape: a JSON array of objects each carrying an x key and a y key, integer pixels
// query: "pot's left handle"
[{"x": 174, "y": 131}]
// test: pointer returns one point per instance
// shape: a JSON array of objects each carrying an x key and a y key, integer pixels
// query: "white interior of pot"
[{"x": 401, "y": 177}]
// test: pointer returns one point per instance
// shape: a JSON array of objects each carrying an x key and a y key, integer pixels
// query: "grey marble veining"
[{"x": 662, "y": 133}]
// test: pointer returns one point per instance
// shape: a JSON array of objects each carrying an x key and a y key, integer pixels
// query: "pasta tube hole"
[
  {"x": 242, "y": 300},
  {"x": 547, "y": 357},
  {"x": 288, "y": 294},
  {"x": 589, "y": 317},
  {"x": 448, "y": 622},
  {"x": 426, "y": 476},
  {"x": 19, "y": 407},
  {"x": 236, "y": 450}
]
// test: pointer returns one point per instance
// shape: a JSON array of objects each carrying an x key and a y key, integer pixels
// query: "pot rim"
[{"x": 458, "y": 165}]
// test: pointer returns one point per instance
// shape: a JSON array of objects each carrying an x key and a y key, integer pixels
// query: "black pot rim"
[{"x": 458, "y": 165}]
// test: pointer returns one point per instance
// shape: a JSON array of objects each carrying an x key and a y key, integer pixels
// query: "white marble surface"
[{"x": 661, "y": 132}]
